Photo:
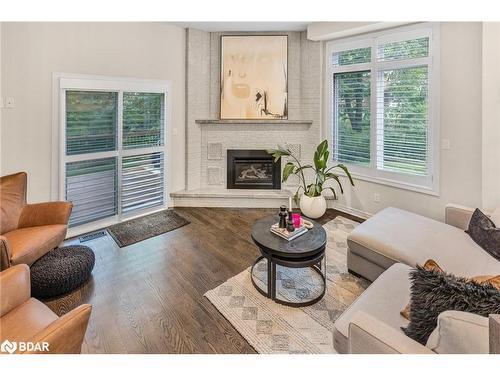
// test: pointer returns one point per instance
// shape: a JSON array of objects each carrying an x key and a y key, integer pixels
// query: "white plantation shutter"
[
  {"x": 91, "y": 122},
  {"x": 352, "y": 117},
  {"x": 383, "y": 119},
  {"x": 113, "y": 161},
  {"x": 402, "y": 120},
  {"x": 143, "y": 119},
  {"x": 142, "y": 181},
  {"x": 92, "y": 187}
]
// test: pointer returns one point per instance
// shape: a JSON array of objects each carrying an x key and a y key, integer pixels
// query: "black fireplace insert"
[{"x": 252, "y": 169}]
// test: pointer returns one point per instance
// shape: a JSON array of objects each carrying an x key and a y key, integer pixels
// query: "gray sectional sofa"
[{"x": 384, "y": 249}]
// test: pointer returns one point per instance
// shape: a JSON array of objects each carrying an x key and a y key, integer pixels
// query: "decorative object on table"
[
  {"x": 286, "y": 234},
  {"x": 274, "y": 329},
  {"x": 283, "y": 215},
  {"x": 311, "y": 202},
  {"x": 61, "y": 270},
  {"x": 254, "y": 77},
  {"x": 290, "y": 227},
  {"x": 296, "y": 220},
  {"x": 144, "y": 227}
]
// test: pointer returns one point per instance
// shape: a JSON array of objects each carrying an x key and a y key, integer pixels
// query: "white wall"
[
  {"x": 334, "y": 30},
  {"x": 491, "y": 115},
  {"x": 461, "y": 166},
  {"x": 31, "y": 52}
]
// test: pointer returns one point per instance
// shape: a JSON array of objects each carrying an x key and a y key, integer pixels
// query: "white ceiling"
[{"x": 243, "y": 26}]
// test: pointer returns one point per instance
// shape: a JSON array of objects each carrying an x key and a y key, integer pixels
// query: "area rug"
[
  {"x": 273, "y": 328},
  {"x": 135, "y": 230}
]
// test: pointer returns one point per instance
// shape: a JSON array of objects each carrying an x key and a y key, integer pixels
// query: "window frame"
[
  {"x": 428, "y": 184},
  {"x": 75, "y": 82}
]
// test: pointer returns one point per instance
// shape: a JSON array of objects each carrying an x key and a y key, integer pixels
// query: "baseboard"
[{"x": 349, "y": 210}]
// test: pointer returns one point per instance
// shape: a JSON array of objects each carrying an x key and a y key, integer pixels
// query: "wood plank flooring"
[{"x": 148, "y": 297}]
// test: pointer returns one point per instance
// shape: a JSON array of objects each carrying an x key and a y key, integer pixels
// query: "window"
[
  {"x": 113, "y": 148},
  {"x": 383, "y": 118}
]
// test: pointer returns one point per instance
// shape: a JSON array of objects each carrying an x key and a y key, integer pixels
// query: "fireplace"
[{"x": 252, "y": 169}]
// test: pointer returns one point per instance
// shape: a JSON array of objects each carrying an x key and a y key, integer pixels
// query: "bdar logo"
[{"x": 8, "y": 347}]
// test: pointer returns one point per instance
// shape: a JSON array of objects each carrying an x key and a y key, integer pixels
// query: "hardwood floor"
[{"x": 148, "y": 297}]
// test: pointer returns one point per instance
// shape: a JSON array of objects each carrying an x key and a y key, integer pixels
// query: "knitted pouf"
[{"x": 61, "y": 271}]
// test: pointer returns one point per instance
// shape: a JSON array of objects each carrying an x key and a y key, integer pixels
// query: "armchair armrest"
[
  {"x": 47, "y": 213},
  {"x": 368, "y": 335},
  {"x": 15, "y": 287},
  {"x": 5, "y": 254},
  {"x": 458, "y": 216},
  {"x": 65, "y": 335},
  {"x": 494, "y": 326}
]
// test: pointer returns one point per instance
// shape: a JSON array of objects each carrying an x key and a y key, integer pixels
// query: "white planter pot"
[{"x": 313, "y": 207}]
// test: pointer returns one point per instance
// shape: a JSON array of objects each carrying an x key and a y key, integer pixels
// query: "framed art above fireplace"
[
  {"x": 254, "y": 77},
  {"x": 252, "y": 169}
]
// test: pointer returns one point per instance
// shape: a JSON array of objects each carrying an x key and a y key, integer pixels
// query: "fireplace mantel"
[{"x": 277, "y": 122}]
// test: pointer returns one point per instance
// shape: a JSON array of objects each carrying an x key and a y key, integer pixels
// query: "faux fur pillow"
[
  {"x": 433, "y": 292},
  {"x": 484, "y": 232},
  {"x": 431, "y": 265}
]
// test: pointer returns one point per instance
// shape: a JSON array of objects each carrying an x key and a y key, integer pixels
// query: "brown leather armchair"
[
  {"x": 25, "y": 319},
  {"x": 28, "y": 231}
]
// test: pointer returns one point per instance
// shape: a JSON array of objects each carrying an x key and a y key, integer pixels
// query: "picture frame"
[{"x": 254, "y": 77}]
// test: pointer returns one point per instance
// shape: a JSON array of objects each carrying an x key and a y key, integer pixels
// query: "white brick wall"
[{"x": 203, "y": 101}]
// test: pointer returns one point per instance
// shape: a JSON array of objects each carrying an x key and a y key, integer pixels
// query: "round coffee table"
[{"x": 305, "y": 251}]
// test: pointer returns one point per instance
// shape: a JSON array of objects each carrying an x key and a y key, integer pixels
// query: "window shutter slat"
[
  {"x": 91, "y": 121},
  {"x": 142, "y": 181},
  {"x": 352, "y": 117},
  {"x": 402, "y": 120},
  {"x": 142, "y": 120},
  {"x": 92, "y": 187}
]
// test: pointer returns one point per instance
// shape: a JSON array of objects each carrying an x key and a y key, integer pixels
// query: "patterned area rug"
[{"x": 273, "y": 328}]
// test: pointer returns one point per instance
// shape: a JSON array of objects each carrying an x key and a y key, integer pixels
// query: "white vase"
[{"x": 313, "y": 207}]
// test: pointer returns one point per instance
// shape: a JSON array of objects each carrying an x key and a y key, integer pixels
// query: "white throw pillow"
[
  {"x": 495, "y": 217},
  {"x": 460, "y": 332}
]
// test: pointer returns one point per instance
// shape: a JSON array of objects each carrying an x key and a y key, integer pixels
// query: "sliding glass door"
[{"x": 113, "y": 159}]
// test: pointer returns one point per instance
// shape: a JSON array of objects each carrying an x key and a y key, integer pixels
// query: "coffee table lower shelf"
[{"x": 316, "y": 263}]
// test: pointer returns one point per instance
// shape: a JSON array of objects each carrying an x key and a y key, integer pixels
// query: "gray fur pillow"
[
  {"x": 433, "y": 292},
  {"x": 483, "y": 231}
]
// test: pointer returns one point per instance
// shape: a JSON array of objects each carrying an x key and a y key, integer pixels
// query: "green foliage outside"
[{"x": 403, "y": 110}]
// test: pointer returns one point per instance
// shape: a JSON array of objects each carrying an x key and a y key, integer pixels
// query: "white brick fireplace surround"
[{"x": 208, "y": 138}]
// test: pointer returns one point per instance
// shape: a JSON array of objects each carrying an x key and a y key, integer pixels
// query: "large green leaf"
[
  {"x": 288, "y": 170},
  {"x": 334, "y": 193}
]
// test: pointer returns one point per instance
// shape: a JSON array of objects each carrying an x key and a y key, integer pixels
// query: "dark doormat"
[{"x": 142, "y": 228}]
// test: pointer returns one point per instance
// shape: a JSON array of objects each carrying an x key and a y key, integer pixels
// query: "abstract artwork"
[{"x": 254, "y": 70}]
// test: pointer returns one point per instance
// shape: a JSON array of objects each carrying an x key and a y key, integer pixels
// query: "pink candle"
[{"x": 296, "y": 220}]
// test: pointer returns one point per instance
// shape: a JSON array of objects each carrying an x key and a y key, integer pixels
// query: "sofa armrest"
[
  {"x": 48, "y": 213},
  {"x": 5, "y": 253},
  {"x": 494, "y": 326},
  {"x": 458, "y": 216},
  {"x": 65, "y": 335},
  {"x": 368, "y": 335},
  {"x": 15, "y": 287}
]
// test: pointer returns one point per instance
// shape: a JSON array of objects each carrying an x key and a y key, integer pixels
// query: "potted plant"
[{"x": 312, "y": 203}]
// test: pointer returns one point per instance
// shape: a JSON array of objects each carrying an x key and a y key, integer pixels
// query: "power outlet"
[{"x": 376, "y": 197}]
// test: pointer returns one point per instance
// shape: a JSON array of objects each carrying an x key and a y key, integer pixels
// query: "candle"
[{"x": 290, "y": 203}]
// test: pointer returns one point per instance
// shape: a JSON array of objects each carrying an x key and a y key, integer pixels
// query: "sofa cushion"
[
  {"x": 484, "y": 232},
  {"x": 26, "y": 320},
  {"x": 383, "y": 300},
  {"x": 460, "y": 332},
  {"x": 395, "y": 235},
  {"x": 12, "y": 200},
  {"x": 29, "y": 244}
]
